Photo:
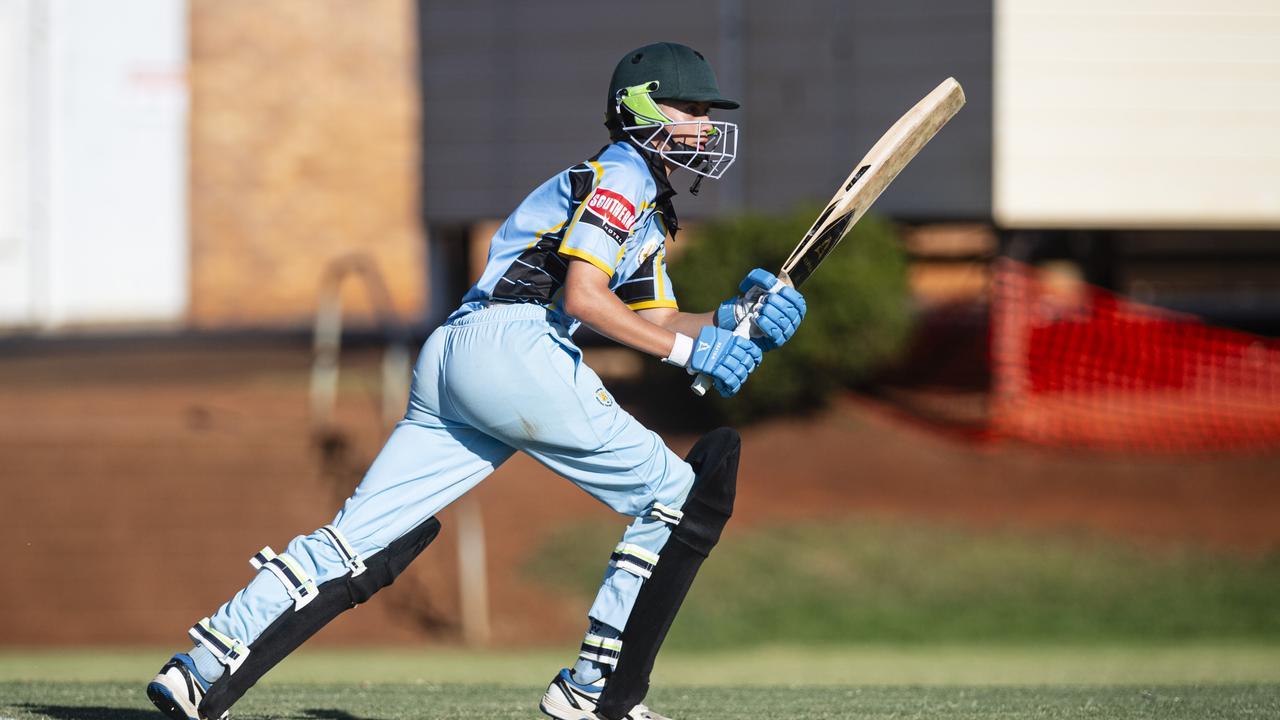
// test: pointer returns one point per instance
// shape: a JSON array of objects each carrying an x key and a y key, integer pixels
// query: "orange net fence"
[{"x": 1076, "y": 365}]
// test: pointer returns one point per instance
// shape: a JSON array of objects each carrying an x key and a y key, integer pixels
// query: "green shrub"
[{"x": 858, "y": 306}]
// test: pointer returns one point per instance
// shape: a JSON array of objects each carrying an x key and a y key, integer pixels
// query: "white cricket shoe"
[
  {"x": 178, "y": 689},
  {"x": 567, "y": 700}
]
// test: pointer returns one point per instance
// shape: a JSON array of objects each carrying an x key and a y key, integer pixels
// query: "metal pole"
[{"x": 473, "y": 575}]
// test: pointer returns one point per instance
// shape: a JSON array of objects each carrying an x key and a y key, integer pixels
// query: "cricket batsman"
[{"x": 503, "y": 374}]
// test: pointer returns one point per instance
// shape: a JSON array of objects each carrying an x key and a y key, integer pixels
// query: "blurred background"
[{"x": 1036, "y": 400}]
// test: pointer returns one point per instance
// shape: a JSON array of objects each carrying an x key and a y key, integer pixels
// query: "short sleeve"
[
  {"x": 650, "y": 286},
  {"x": 605, "y": 217}
]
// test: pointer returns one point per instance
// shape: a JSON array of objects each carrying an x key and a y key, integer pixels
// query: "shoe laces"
[{"x": 644, "y": 712}]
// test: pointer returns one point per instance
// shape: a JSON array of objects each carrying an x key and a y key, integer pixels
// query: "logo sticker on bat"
[
  {"x": 857, "y": 176},
  {"x": 821, "y": 247}
]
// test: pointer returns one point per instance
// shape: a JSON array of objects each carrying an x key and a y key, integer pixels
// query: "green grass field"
[
  {"x": 394, "y": 701},
  {"x": 862, "y": 619},
  {"x": 1197, "y": 681},
  {"x": 872, "y": 580}
]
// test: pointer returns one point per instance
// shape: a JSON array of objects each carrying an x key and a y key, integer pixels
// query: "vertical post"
[
  {"x": 1011, "y": 312},
  {"x": 395, "y": 381},
  {"x": 325, "y": 345},
  {"x": 730, "y": 71},
  {"x": 473, "y": 575}
]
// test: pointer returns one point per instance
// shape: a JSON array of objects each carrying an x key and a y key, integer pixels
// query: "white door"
[
  {"x": 93, "y": 163},
  {"x": 117, "y": 157},
  {"x": 17, "y": 294}
]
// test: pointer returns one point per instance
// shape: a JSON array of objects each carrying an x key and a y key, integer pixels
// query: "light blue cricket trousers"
[{"x": 497, "y": 380}]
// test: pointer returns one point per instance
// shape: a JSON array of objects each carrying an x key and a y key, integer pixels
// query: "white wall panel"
[
  {"x": 1137, "y": 113},
  {"x": 17, "y": 264},
  {"x": 118, "y": 161},
  {"x": 93, "y": 173}
]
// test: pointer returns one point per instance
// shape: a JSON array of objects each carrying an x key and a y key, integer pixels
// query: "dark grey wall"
[{"x": 514, "y": 92}]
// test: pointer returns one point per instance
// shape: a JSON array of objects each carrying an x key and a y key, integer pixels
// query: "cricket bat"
[{"x": 855, "y": 195}]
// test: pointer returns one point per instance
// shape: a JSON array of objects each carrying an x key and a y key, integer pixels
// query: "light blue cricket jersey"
[{"x": 605, "y": 211}]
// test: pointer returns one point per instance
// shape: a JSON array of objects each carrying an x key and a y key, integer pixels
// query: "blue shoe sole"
[{"x": 164, "y": 702}]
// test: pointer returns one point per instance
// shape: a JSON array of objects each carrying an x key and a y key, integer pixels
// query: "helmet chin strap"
[
  {"x": 669, "y": 141},
  {"x": 700, "y": 159}
]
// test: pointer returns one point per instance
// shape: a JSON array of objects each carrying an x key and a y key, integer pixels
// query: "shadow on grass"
[
  {"x": 88, "y": 712},
  {"x": 330, "y": 715},
  {"x": 91, "y": 712}
]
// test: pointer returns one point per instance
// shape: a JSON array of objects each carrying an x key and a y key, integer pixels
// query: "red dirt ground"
[{"x": 136, "y": 483}]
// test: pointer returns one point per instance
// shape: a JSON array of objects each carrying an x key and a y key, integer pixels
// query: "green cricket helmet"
[{"x": 669, "y": 71}]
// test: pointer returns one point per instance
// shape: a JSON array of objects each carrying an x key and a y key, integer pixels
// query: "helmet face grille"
[{"x": 711, "y": 161}]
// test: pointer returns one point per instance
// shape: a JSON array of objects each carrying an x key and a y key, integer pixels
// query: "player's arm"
[
  {"x": 719, "y": 353},
  {"x": 588, "y": 298},
  {"x": 681, "y": 322}
]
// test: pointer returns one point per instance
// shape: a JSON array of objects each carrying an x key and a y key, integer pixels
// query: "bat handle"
[{"x": 702, "y": 383}]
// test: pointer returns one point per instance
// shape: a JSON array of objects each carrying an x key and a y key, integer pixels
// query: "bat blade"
[
  {"x": 869, "y": 178},
  {"x": 883, "y": 162}
]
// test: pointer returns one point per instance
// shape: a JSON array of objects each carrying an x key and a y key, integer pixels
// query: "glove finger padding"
[
  {"x": 727, "y": 358},
  {"x": 757, "y": 283},
  {"x": 778, "y": 317},
  {"x": 773, "y": 328},
  {"x": 758, "y": 278}
]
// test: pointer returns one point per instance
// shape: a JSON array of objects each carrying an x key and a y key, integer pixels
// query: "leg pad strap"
[
  {"x": 715, "y": 463},
  {"x": 229, "y": 651},
  {"x": 295, "y": 580},
  {"x": 634, "y": 559},
  {"x": 333, "y": 598},
  {"x": 345, "y": 551},
  {"x": 603, "y": 650}
]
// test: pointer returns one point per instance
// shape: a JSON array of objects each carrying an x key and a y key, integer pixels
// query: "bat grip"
[{"x": 702, "y": 383}]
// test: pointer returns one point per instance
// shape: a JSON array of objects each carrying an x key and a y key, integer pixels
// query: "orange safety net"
[{"x": 1076, "y": 365}]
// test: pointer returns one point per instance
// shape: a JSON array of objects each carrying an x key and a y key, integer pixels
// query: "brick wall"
[{"x": 304, "y": 148}]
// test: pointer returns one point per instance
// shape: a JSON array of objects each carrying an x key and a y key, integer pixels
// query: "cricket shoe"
[
  {"x": 178, "y": 689},
  {"x": 568, "y": 700}
]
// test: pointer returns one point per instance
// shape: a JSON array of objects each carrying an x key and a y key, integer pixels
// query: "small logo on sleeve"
[{"x": 602, "y": 397}]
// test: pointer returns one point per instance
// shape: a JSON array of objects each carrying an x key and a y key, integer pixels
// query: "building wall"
[
  {"x": 92, "y": 163},
  {"x": 1137, "y": 114},
  {"x": 515, "y": 92},
  {"x": 825, "y": 79},
  {"x": 304, "y": 148}
]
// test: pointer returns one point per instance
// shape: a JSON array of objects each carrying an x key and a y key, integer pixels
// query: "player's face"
[{"x": 683, "y": 111}]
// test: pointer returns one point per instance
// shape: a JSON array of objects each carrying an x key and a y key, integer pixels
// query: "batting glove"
[
  {"x": 775, "y": 316},
  {"x": 718, "y": 353}
]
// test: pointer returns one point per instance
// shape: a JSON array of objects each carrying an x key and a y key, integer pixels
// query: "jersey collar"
[{"x": 662, "y": 200}]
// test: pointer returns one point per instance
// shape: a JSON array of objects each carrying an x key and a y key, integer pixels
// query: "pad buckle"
[
  {"x": 229, "y": 651},
  {"x": 295, "y": 580},
  {"x": 668, "y": 515},
  {"x": 603, "y": 650},
  {"x": 345, "y": 551},
  {"x": 634, "y": 559}
]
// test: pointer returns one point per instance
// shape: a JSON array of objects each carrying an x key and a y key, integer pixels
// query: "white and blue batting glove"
[
  {"x": 726, "y": 358},
  {"x": 775, "y": 316}
]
